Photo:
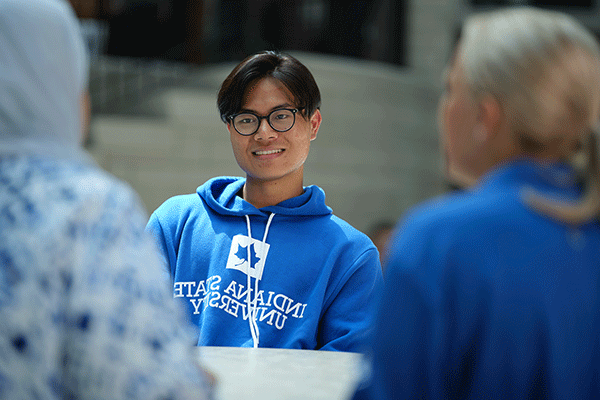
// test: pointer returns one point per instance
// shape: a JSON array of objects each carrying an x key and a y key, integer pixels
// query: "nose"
[{"x": 265, "y": 132}]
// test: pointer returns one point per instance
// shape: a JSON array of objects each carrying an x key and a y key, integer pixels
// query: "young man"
[{"x": 262, "y": 260}]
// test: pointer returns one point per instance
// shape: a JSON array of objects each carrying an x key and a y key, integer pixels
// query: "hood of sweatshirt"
[{"x": 221, "y": 196}]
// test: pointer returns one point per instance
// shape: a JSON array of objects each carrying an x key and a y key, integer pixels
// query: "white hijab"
[{"x": 43, "y": 73}]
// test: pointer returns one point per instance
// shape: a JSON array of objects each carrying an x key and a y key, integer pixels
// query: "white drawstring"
[
  {"x": 248, "y": 303},
  {"x": 251, "y": 304}
]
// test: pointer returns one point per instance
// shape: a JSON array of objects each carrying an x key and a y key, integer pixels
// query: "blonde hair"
[{"x": 543, "y": 68}]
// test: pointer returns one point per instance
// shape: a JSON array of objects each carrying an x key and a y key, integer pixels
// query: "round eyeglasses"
[{"x": 281, "y": 120}]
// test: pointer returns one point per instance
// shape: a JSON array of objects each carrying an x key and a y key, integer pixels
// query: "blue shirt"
[{"x": 487, "y": 298}]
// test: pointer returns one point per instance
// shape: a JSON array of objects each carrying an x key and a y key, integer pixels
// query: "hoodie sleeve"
[
  {"x": 348, "y": 318},
  {"x": 155, "y": 229},
  {"x": 165, "y": 225}
]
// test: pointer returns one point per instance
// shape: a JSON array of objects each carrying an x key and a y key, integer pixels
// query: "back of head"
[
  {"x": 282, "y": 67},
  {"x": 543, "y": 67},
  {"x": 43, "y": 73}
]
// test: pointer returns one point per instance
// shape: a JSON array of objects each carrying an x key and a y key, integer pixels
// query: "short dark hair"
[{"x": 282, "y": 67}]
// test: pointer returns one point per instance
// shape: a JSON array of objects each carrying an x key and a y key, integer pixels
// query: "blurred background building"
[{"x": 157, "y": 66}]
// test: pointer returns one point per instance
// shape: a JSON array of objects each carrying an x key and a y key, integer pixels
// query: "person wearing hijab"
[
  {"x": 493, "y": 292},
  {"x": 82, "y": 316}
]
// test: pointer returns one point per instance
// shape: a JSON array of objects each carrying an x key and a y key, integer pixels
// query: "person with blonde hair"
[{"x": 494, "y": 291}]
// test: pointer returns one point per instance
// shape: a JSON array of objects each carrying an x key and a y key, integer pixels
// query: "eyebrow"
[{"x": 284, "y": 105}]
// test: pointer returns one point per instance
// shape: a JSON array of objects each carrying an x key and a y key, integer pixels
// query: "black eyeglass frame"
[{"x": 267, "y": 117}]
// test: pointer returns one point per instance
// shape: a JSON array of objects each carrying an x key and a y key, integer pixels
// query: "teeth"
[{"x": 265, "y": 152}]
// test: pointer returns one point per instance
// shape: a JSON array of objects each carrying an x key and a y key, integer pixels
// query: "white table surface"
[{"x": 281, "y": 374}]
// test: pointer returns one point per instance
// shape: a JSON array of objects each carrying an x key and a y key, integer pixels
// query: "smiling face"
[{"x": 268, "y": 155}]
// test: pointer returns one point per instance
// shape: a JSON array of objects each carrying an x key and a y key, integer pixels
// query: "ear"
[
  {"x": 315, "y": 123},
  {"x": 490, "y": 118}
]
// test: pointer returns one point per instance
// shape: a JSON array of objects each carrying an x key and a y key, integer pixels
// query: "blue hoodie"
[
  {"x": 313, "y": 279},
  {"x": 487, "y": 298}
]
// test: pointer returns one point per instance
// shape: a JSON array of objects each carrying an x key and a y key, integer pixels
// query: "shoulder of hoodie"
[
  {"x": 339, "y": 227},
  {"x": 467, "y": 217},
  {"x": 494, "y": 203},
  {"x": 448, "y": 234},
  {"x": 178, "y": 205}
]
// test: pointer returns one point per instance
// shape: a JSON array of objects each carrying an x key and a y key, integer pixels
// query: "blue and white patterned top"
[{"x": 83, "y": 313}]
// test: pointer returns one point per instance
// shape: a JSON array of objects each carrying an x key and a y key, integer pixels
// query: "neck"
[
  {"x": 269, "y": 193},
  {"x": 459, "y": 178}
]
